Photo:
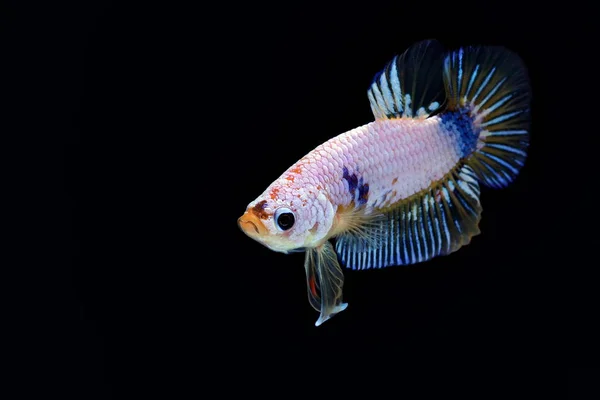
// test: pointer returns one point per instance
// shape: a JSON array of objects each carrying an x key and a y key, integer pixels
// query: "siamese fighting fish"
[{"x": 405, "y": 187}]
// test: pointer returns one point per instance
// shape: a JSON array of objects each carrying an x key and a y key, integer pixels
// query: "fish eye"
[{"x": 284, "y": 218}]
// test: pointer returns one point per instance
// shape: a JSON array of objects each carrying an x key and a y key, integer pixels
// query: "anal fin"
[{"x": 435, "y": 221}]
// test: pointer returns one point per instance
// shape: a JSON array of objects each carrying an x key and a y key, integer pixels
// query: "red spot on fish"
[
  {"x": 274, "y": 193},
  {"x": 313, "y": 287},
  {"x": 319, "y": 187},
  {"x": 296, "y": 170},
  {"x": 290, "y": 178},
  {"x": 394, "y": 181}
]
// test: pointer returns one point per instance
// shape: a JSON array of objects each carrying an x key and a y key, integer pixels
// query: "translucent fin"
[
  {"x": 411, "y": 84},
  {"x": 436, "y": 221},
  {"x": 359, "y": 222},
  {"x": 490, "y": 84},
  {"x": 325, "y": 281}
]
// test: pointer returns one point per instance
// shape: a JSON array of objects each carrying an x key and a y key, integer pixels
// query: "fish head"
[{"x": 287, "y": 218}]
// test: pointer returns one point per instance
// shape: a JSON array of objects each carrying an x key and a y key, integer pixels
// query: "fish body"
[{"x": 403, "y": 188}]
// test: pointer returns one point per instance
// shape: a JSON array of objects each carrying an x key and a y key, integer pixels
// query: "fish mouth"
[
  {"x": 251, "y": 225},
  {"x": 240, "y": 222}
]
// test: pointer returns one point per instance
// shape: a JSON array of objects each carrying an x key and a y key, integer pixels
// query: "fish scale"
[{"x": 426, "y": 150}]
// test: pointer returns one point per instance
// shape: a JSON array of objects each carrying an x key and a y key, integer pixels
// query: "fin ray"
[
  {"x": 410, "y": 85},
  {"x": 490, "y": 84},
  {"x": 325, "y": 281}
]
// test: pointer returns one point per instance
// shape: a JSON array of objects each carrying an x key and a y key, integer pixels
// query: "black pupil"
[{"x": 285, "y": 221}]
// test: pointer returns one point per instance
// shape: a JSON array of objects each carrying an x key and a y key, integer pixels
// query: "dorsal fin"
[{"x": 411, "y": 84}]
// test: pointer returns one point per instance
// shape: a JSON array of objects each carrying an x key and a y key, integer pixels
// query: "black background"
[{"x": 176, "y": 117}]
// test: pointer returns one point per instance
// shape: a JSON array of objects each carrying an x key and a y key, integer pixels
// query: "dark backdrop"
[{"x": 175, "y": 118}]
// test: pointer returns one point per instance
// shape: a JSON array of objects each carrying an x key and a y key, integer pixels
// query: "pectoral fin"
[{"x": 325, "y": 280}]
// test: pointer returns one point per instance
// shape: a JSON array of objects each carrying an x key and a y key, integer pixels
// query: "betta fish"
[{"x": 405, "y": 187}]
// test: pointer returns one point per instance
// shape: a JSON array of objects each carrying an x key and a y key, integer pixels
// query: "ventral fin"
[
  {"x": 436, "y": 221},
  {"x": 325, "y": 281},
  {"x": 411, "y": 84}
]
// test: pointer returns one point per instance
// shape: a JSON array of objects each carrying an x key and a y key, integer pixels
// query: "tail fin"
[{"x": 490, "y": 85}]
